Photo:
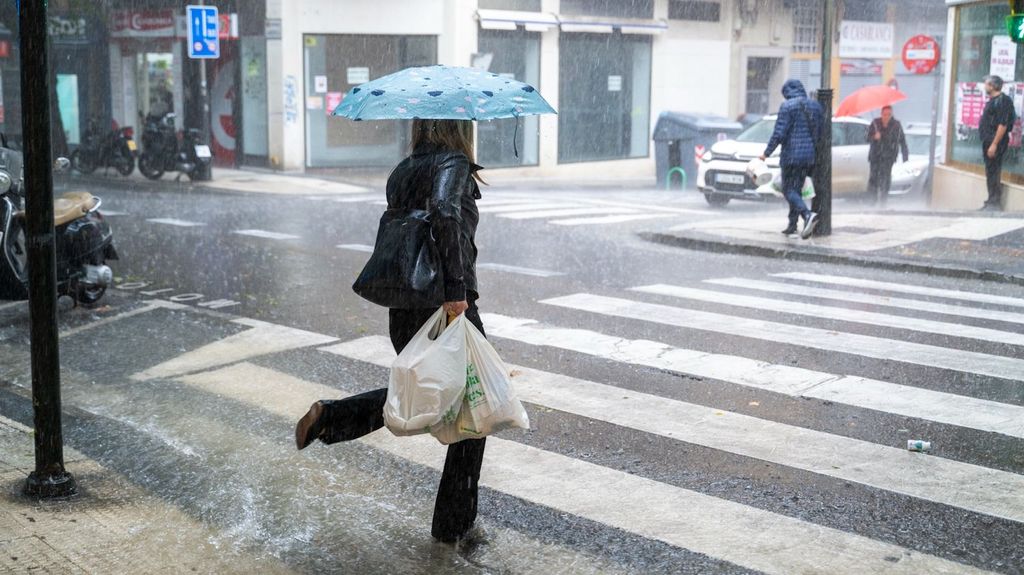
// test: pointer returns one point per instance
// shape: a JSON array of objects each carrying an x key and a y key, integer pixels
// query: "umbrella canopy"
[
  {"x": 442, "y": 93},
  {"x": 869, "y": 98}
]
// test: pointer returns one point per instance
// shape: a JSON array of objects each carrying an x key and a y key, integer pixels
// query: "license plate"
[
  {"x": 203, "y": 151},
  {"x": 730, "y": 179},
  {"x": 131, "y": 145}
]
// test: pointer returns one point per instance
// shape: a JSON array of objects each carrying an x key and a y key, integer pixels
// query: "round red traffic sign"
[{"x": 921, "y": 54}]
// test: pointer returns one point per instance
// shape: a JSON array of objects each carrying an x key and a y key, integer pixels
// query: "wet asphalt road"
[{"x": 227, "y": 456}]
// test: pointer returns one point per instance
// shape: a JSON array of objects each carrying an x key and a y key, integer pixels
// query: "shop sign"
[
  {"x": 921, "y": 54},
  {"x": 1004, "y": 58},
  {"x": 143, "y": 24},
  {"x": 272, "y": 28},
  {"x": 356, "y": 76},
  {"x": 860, "y": 68},
  {"x": 67, "y": 30},
  {"x": 870, "y": 40}
]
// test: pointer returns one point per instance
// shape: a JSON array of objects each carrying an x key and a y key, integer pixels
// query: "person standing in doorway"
[
  {"x": 798, "y": 131},
  {"x": 887, "y": 140},
  {"x": 996, "y": 122}
]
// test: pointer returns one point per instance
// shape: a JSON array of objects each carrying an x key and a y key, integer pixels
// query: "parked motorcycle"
[
  {"x": 84, "y": 240},
  {"x": 114, "y": 148},
  {"x": 162, "y": 151}
]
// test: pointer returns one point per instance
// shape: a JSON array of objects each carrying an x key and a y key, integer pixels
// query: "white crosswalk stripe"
[
  {"x": 527, "y": 207},
  {"x": 608, "y": 220},
  {"x": 905, "y": 288},
  {"x": 561, "y": 213},
  {"x": 850, "y": 343},
  {"x": 837, "y": 313},
  {"x": 265, "y": 234},
  {"x": 982, "y": 490},
  {"x": 862, "y": 392},
  {"x": 722, "y": 529},
  {"x": 799, "y": 290},
  {"x": 175, "y": 222}
]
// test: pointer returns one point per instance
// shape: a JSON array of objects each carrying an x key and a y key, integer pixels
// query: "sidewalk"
[
  {"x": 111, "y": 526},
  {"x": 954, "y": 244}
]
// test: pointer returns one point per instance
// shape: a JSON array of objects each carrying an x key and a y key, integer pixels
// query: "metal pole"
[
  {"x": 49, "y": 478},
  {"x": 934, "y": 135},
  {"x": 203, "y": 173},
  {"x": 822, "y": 204}
]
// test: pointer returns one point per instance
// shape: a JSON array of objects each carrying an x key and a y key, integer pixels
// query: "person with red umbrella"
[{"x": 887, "y": 140}]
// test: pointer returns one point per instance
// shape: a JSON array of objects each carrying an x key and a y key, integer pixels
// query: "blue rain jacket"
[{"x": 797, "y": 137}]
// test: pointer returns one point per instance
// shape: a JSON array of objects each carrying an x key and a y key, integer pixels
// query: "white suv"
[{"x": 722, "y": 174}]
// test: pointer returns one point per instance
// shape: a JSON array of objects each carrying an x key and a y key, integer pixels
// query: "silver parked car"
[{"x": 722, "y": 174}]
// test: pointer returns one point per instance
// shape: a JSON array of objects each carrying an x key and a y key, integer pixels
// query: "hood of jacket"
[{"x": 794, "y": 89}]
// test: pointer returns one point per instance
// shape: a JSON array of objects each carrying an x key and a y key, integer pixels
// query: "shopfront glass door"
[
  {"x": 336, "y": 63},
  {"x": 515, "y": 55}
]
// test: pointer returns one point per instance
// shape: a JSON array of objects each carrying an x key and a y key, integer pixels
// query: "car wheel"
[{"x": 716, "y": 200}]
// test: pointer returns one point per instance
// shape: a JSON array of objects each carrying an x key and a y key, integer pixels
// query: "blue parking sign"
[{"x": 203, "y": 28}]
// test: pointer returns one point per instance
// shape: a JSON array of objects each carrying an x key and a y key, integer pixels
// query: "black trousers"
[
  {"x": 993, "y": 175},
  {"x": 880, "y": 181},
  {"x": 355, "y": 416}
]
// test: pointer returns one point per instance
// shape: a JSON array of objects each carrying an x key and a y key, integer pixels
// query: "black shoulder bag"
[{"x": 404, "y": 271}]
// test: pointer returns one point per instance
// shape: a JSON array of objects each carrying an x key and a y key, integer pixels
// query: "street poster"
[
  {"x": 1004, "y": 58},
  {"x": 320, "y": 84},
  {"x": 333, "y": 100}
]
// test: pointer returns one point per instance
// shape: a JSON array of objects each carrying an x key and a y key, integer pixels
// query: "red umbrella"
[{"x": 869, "y": 98}]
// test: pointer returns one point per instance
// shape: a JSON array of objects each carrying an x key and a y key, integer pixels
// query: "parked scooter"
[
  {"x": 162, "y": 151},
  {"x": 84, "y": 239},
  {"x": 115, "y": 148}
]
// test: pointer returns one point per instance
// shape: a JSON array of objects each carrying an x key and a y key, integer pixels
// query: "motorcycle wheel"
[
  {"x": 124, "y": 163},
  {"x": 87, "y": 295},
  {"x": 150, "y": 166},
  {"x": 83, "y": 163}
]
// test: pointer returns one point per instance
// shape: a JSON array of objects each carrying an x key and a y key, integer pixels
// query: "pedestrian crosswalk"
[
  {"x": 567, "y": 210},
  {"x": 915, "y": 337}
]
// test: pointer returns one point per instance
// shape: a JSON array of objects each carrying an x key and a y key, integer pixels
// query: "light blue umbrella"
[{"x": 442, "y": 93}]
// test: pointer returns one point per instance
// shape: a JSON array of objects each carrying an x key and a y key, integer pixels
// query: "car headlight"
[
  {"x": 707, "y": 157},
  {"x": 5, "y": 182}
]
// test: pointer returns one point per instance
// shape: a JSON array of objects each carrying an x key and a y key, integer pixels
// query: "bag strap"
[{"x": 807, "y": 119}]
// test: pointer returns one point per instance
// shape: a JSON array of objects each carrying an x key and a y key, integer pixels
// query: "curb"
[{"x": 725, "y": 247}]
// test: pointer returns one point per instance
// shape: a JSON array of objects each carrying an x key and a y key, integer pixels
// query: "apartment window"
[
  {"x": 807, "y": 16},
  {"x": 612, "y": 8},
  {"x": 698, "y": 10},
  {"x": 523, "y": 5}
]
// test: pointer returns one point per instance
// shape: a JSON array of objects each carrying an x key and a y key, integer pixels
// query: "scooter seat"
[{"x": 72, "y": 206}]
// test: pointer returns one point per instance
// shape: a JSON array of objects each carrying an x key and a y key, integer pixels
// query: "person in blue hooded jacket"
[{"x": 798, "y": 131}]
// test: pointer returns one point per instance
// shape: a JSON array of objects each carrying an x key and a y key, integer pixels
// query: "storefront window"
[
  {"x": 336, "y": 63},
  {"x": 515, "y": 55},
  {"x": 605, "y": 97},
  {"x": 981, "y": 27}
]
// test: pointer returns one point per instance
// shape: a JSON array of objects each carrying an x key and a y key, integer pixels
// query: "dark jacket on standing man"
[
  {"x": 798, "y": 127},
  {"x": 893, "y": 141},
  {"x": 442, "y": 181},
  {"x": 998, "y": 112}
]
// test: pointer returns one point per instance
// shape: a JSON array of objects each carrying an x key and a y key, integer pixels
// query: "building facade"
[{"x": 980, "y": 45}]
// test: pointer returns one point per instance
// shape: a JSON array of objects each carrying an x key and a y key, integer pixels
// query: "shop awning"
[
  {"x": 512, "y": 19},
  {"x": 608, "y": 25}
]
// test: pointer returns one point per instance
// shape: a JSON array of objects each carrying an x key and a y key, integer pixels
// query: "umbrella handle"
[{"x": 515, "y": 138}]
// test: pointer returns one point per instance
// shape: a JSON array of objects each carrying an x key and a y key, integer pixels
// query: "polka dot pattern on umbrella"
[{"x": 442, "y": 93}]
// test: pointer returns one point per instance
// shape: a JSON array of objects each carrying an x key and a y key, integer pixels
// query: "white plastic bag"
[
  {"x": 489, "y": 404},
  {"x": 428, "y": 377},
  {"x": 775, "y": 187},
  {"x": 758, "y": 171}
]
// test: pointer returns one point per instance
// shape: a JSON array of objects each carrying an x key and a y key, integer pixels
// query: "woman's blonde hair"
[{"x": 454, "y": 135}]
